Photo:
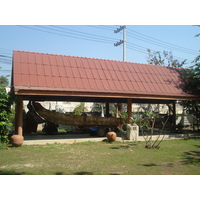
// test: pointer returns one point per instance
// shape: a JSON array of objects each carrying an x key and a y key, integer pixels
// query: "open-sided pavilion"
[{"x": 50, "y": 77}]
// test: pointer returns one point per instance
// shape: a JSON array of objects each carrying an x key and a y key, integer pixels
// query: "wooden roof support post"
[
  {"x": 107, "y": 109},
  {"x": 174, "y": 116},
  {"x": 129, "y": 110},
  {"x": 19, "y": 116}
]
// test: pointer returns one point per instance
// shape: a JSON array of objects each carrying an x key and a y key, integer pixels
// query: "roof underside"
[{"x": 42, "y": 76}]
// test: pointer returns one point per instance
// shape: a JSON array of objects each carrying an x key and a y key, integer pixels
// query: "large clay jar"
[
  {"x": 111, "y": 136},
  {"x": 17, "y": 140}
]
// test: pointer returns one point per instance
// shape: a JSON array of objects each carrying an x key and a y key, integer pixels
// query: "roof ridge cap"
[{"x": 120, "y": 61}]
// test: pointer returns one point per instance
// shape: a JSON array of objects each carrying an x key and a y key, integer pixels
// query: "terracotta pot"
[
  {"x": 17, "y": 140},
  {"x": 111, "y": 136}
]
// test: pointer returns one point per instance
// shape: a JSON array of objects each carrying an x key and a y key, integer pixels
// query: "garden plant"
[{"x": 5, "y": 113}]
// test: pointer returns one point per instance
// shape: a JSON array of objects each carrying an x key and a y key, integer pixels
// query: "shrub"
[{"x": 4, "y": 116}]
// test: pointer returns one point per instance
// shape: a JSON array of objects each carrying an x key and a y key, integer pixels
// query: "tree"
[
  {"x": 6, "y": 100},
  {"x": 190, "y": 78},
  {"x": 4, "y": 81},
  {"x": 148, "y": 128},
  {"x": 4, "y": 115},
  {"x": 78, "y": 110},
  {"x": 165, "y": 59},
  {"x": 113, "y": 107},
  {"x": 190, "y": 83}
]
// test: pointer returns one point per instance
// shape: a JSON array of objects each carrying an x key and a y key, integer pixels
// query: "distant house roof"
[{"x": 40, "y": 74}]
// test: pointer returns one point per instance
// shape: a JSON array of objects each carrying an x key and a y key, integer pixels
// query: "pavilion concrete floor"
[{"x": 36, "y": 139}]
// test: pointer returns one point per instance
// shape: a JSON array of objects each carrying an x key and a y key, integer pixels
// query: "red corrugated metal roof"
[{"x": 49, "y": 74}]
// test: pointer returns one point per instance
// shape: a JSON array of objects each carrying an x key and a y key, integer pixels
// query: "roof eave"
[{"x": 59, "y": 93}]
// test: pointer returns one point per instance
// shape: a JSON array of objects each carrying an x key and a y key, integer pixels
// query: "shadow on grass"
[
  {"x": 10, "y": 172},
  {"x": 77, "y": 173},
  {"x": 149, "y": 165},
  {"x": 198, "y": 146},
  {"x": 126, "y": 146},
  {"x": 155, "y": 165},
  {"x": 191, "y": 157},
  {"x": 59, "y": 173},
  {"x": 83, "y": 173}
]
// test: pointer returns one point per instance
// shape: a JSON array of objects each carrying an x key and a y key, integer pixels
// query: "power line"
[
  {"x": 143, "y": 35},
  {"x": 6, "y": 70},
  {"x": 143, "y": 50},
  {"x": 135, "y": 48},
  {"x": 103, "y": 39},
  {"x": 64, "y": 33},
  {"x": 5, "y": 59},
  {"x": 151, "y": 40},
  {"x": 5, "y": 56},
  {"x": 88, "y": 34},
  {"x": 82, "y": 34},
  {"x": 61, "y": 31},
  {"x": 108, "y": 28},
  {"x": 157, "y": 42}
]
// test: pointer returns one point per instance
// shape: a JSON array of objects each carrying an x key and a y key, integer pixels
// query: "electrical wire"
[
  {"x": 61, "y": 31},
  {"x": 151, "y": 40},
  {"x": 108, "y": 28},
  {"x": 136, "y": 48},
  {"x": 5, "y": 58},
  {"x": 87, "y": 34},
  {"x": 64, "y": 33},
  {"x": 157, "y": 42},
  {"x": 77, "y": 34},
  {"x": 103, "y": 39}
]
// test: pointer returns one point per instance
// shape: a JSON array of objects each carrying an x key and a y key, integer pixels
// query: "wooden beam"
[
  {"x": 129, "y": 110},
  {"x": 27, "y": 91},
  {"x": 19, "y": 116}
]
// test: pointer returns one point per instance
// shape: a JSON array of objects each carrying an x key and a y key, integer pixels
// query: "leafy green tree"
[
  {"x": 78, "y": 110},
  {"x": 4, "y": 81},
  {"x": 122, "y": 108},
  {"x": 190, "y": 78},
  {"x": 165, "y": 59},
  {"x": 190, "y": 83},
  {"x": 4, "y": 115}
]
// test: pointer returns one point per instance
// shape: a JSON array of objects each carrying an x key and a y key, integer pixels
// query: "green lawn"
[{"x": 174, "y": 157}]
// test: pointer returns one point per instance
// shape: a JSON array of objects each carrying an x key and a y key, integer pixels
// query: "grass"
[{"x": 175, "y": 157}]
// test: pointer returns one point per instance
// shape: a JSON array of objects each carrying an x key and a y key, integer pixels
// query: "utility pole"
[{"x": 122, "y": 41}]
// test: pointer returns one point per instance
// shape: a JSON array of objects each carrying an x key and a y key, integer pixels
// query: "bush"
[
  {"x": 4, "y": 116},
  {"x": 78, "y": 110}
]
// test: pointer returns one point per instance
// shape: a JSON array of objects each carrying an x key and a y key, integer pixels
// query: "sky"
[
  {"x": 97, "y": 41},
  {"x": 82, "y": 28}
]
